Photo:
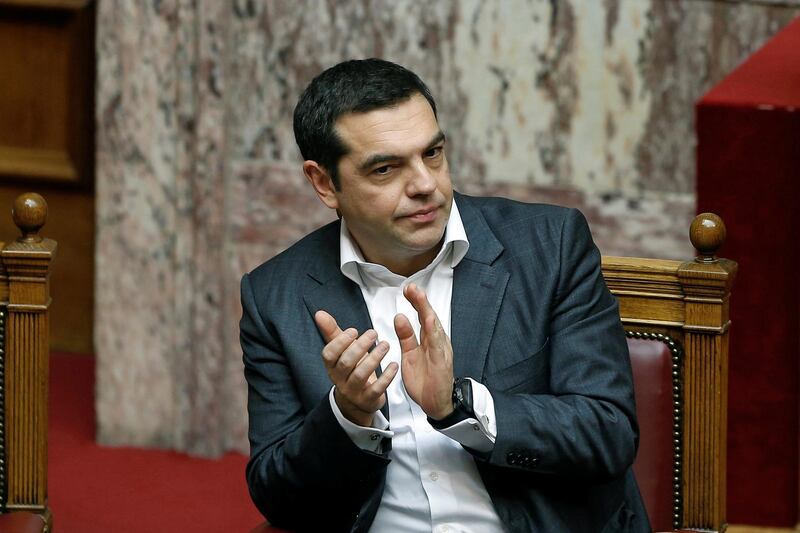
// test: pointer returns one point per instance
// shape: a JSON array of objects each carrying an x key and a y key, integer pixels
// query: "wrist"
[
  {"x": 351, "y": 412},
  {"x": 442, "y": 414},
  {"x": 446, "y": 404},
  {"x": 461, "y": 405}
]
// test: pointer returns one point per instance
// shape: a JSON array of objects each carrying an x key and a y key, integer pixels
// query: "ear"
[{"x": 322, "y": 183}]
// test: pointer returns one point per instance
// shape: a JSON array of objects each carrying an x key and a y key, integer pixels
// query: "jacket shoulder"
[
  {"x": 293, "y": 262},
  {"x": 496, "y": 207},
  {"x": 511, "y": 219}
]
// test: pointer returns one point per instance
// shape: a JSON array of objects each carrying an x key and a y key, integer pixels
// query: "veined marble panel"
[
  {"x": 137, "y": 143},
  {"x": 586, "y": 103},
  {"x": 274, "y": 205}
]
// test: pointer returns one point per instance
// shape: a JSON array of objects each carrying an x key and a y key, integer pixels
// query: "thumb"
[
  {"x": 405, "y": 333},
  {"x": 327, "y": 325}
]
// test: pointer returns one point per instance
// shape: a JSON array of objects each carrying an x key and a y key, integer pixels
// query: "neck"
[
  {"x": 412, "y": 265},
  {"x": 406, "y": 265}
]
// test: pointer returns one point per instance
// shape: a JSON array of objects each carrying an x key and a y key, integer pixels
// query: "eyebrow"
[{"x": 383, "y": 158}]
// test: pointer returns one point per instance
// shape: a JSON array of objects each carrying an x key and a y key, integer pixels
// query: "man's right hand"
[{"x": 358, "y": 392}]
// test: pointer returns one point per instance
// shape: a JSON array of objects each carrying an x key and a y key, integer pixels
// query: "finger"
[
  {"x": 334, "y": 349},
  {"x": 365, "y": 368},
  {"x": 419, "y": 301},
  {"x": 405, "y": 333},
  {"x": 327, "y": 325},
  {"x": 378, "y": 388},
  {"x": 355, "y": 353}
]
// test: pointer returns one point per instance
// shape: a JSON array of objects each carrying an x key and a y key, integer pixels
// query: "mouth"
[{"x": 426, "y": 214}]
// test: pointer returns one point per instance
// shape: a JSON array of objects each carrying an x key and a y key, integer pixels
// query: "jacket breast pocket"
[{"x": 531, "y": 374}]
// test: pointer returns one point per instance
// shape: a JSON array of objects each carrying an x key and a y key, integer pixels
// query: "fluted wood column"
[
  {"x": 706, "y": 284},
  {"x": 26, "y": 262}
]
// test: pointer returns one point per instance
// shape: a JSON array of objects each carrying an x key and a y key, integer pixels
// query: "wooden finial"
[
  {"x": 29, "y": 214},
  {"x": 707, "y": 234}
]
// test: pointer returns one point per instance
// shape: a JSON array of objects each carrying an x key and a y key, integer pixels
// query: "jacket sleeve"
[
  {"x": 585, "y": 425},
  {"x": 300, "y": 459}
]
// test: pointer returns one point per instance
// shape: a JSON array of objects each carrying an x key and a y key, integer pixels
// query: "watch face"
[{"x": 459, "y": 394}]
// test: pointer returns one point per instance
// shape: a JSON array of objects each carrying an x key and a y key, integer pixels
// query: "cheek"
[{"x": 445, "y": 184}]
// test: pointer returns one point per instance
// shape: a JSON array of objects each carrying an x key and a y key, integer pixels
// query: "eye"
[
  {"x": 382, "y": 171},
  {"x": 433, "y": 152}
]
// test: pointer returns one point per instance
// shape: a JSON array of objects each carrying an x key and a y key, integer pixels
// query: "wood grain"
[
  {"x": 26, "y": 266},
  {"x": 688, "y": 301}
]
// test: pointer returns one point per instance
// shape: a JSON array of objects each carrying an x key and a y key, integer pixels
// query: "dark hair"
[{"x": 351, "y": 86}]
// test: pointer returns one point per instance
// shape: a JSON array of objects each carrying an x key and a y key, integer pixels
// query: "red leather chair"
[
  {"x": 676, "y": 317},
  {"x": 22, "y": 522},
  {"x": 656, "y": 362}
]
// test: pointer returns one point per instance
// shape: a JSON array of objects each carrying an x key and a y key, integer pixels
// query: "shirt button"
[
  {"x": 434, "y": 476},
  {"x": 444, "y": 529},
  {"x": 374, "y": 436},
  {"x": 475, "y": 427}
]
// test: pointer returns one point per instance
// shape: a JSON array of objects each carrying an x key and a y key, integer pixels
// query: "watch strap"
[{"x": 462, "y": 405}]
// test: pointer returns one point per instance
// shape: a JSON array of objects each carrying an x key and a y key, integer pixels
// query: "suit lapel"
[
  {"x": 478, "y": 290},
  {"x": 330, "y": 291},
  {"x": 343, "y": 300}
]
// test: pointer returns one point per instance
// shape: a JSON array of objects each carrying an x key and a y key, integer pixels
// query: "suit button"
[{"x": 511, "y": 458}]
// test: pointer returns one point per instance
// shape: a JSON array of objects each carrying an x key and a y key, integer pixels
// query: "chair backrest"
[
  {"x": 24, "y": 361},
  {"x": 676, "y": 317}
]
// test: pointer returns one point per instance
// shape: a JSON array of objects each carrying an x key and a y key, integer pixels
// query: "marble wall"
[{"x": 587, "y": 103}]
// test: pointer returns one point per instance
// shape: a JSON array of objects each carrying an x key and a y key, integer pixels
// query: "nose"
[{"x": 422, "y": 181}]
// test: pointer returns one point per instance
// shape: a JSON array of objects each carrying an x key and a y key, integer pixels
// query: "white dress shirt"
[{"x": 432, "y": 483}]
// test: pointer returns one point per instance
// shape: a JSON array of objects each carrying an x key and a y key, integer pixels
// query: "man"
[{"x": 431, "y": 361}]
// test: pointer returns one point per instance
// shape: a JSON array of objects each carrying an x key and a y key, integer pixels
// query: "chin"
[{"x": 426, "y": 243}]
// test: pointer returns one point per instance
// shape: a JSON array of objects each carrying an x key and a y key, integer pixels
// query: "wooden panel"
[
  {"x": 46, "y": 144},
  {"x": 46, "y": 98}
]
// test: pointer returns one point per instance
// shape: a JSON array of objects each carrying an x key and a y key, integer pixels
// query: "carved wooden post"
[
  {"x": 27, "y": 264},
  {"x": 706, "y": 284}
]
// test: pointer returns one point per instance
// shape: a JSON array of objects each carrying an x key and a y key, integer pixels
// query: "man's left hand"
[{"x": 427, "y": 365}]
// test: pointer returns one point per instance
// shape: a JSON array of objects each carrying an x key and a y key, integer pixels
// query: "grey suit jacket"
[{"x": 532, "y": 319}]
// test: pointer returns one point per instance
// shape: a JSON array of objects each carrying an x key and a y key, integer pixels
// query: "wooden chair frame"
[
  {"x": 24, "y": 362},
  {"x": 685, "y": 304}
]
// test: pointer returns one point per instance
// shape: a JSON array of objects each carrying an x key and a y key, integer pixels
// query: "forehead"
[{"x": 402, "y": 128}]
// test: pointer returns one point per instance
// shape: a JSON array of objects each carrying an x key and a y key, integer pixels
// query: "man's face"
[{"x": 395, "y": 192}]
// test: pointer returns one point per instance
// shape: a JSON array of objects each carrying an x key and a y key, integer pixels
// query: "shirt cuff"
[
  {"x": 367, "y": 438},
  {"x": 478, "y": 433}
]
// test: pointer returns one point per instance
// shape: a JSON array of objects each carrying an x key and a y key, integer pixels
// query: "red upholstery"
[
  {"x": 747, "y": 167},
  {"x": 652, "y": 375},
  {"x": 263, "y": 528},
  {"x": 21, "y": 522}
]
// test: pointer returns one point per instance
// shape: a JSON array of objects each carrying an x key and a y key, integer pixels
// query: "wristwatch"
[{"x": 462, "y": 405}]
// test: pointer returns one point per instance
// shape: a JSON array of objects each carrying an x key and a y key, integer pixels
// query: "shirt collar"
[{"x": 455, "y": 239}]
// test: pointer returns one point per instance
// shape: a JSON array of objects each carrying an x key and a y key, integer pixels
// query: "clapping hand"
[
  {"x": 427, "y": 364},
  {"x": 351, "y": 361}
]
